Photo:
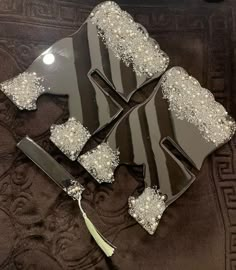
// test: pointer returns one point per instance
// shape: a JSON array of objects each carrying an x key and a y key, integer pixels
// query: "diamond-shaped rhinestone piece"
[
  {"x": 70, "y": 137},
  {"x": 148, "y": 208},
  {"x": 101, "y": 162},
  {"x": 24, "y": 90}
]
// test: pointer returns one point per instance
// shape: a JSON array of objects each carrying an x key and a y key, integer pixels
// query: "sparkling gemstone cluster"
[
  {"x": 148, "y": 208},
  {"x": 70, "y": 137},
  {"x": 128, "y": 40},
  {"x": 74, "y": 190},
  {"x": 188, "y": 100},
  {"x": 24, "y": 90},
  {"x": 101, "y": 162}
]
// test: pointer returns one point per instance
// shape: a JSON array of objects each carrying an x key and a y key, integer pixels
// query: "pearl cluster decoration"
[
  {"x": 128, "y": 40},
  {"x": 148, "y": 208},
  {"x": 24, "y": 90},
  {"x": 74, "y": 190},
  {"x": 188, "y": 100},
  {"x": 70, "y": 137},
  {"x": 101, "y": 162}
]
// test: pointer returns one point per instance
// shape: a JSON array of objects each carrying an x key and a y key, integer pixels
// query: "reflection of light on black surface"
[{"x": 48, "y": 59}]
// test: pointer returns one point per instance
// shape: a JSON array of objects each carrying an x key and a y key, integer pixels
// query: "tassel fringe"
[{"x": 106, "y": 247}]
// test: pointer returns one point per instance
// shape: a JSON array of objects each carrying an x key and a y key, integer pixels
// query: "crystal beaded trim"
[
  {"x": 101, "y": 162},
  {"x": 24, "y": 90},
  {"x": 70, "y": 137},
  {"x": 74, "y": 190},
  {"x": 188, "y": 100},
  {"x": 128, "y": 40},
  {"x": 148, "y": 208}
]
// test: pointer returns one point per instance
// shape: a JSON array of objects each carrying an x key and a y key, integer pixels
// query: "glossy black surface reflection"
[
  {"x": 67, "y": 69},
  {"x": 45, "y": 162},
  {"x": 164, "y": 144},
  {"x": 147, "y": 134},
  {"x": 69, "y": 74}
]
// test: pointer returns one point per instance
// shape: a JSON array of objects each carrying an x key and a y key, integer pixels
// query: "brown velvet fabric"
[{"x": 40, "y": 227}]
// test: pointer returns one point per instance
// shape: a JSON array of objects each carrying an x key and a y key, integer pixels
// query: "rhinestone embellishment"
[
  {"x": 70, "y": 137},
  {"x": 148, "y": 208},
  {"x": 188, "y": 100},
  {"x": 128, "y": 40},
  {"x": 101, "y": 162},
  {"x": 74, "y": 190},
  {"x": 24, "y": 90}
]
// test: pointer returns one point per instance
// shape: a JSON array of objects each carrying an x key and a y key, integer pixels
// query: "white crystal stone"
[
  {"x": 128, "y": 40},
  {"x": 70, "y": 137},
  {"x": 148, "y": 208},
  {"x": 197, "y": 106},
  {"x": 96, "y": 162},
  {"x": 24, "y": 90}
]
